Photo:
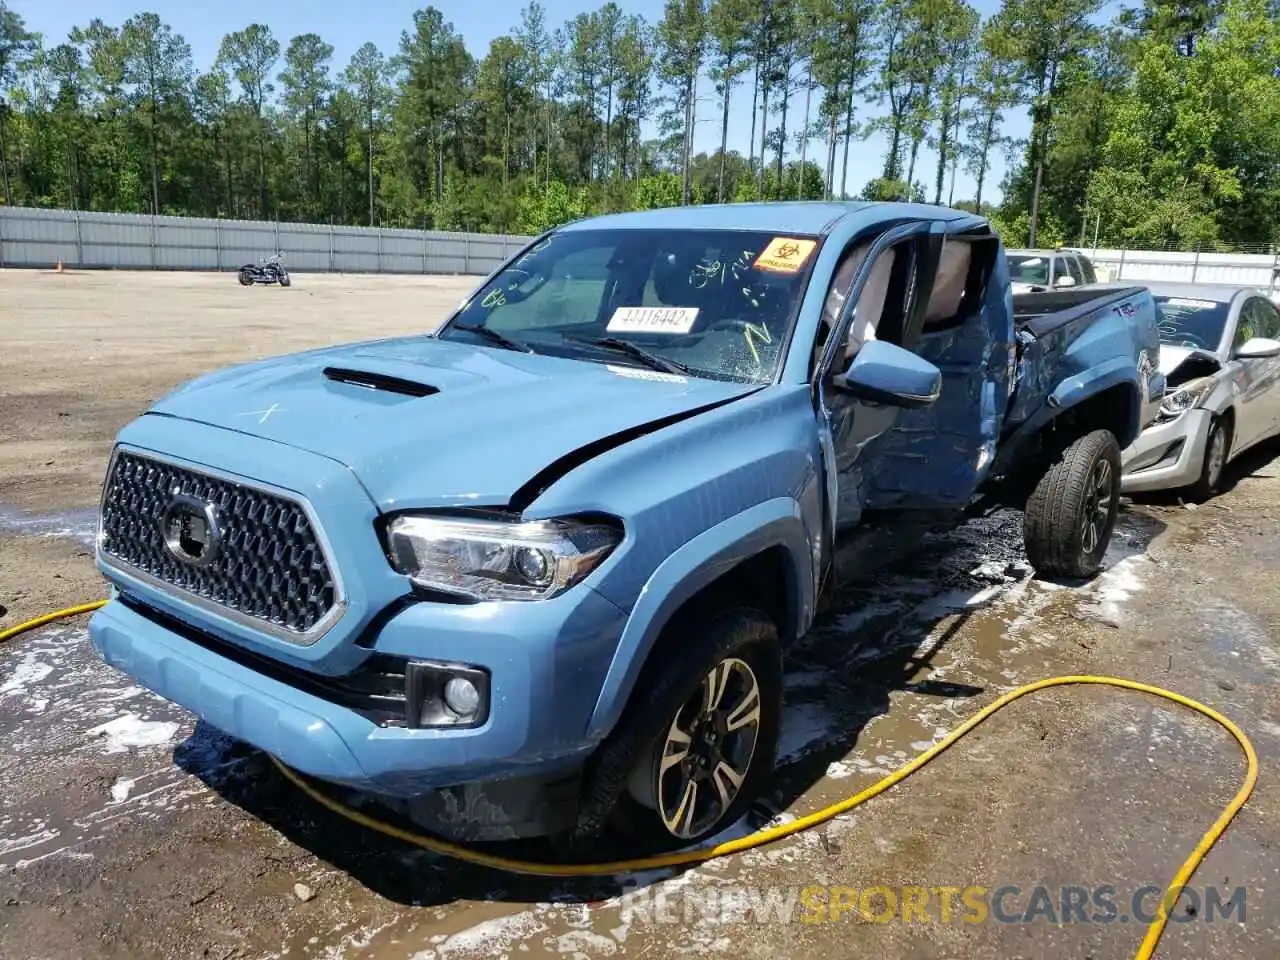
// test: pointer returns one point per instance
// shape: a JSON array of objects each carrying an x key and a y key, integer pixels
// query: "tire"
[
  {"x": 1071, "y": 513},
  {"x": 284, "y": 280},
  {"x": 246, "y": 277},
  {"x": 628, "y": 792},
  {"x": 1216, "y": 446}
]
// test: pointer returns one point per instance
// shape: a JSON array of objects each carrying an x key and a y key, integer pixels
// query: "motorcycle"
[{"x": 270, "y": 270}]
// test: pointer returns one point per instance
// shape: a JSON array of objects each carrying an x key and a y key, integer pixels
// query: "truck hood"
[{"x": 424, "y": 422}]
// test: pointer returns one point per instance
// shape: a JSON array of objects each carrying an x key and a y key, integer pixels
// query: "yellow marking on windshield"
[{"x": 750, "y": 333}]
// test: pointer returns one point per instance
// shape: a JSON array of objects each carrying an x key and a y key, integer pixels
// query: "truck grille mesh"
[{"x": 269, "y": 564}]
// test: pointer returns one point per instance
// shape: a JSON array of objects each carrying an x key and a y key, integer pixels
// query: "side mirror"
[
  {"x": 1066, "y": 280},
  {"x": 1257, "y": 348},
  {"x": 885, "y": 373}
]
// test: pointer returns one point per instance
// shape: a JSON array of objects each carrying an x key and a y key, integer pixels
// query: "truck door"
[
  {"x": 870, "y": 298},
  {"x": 940, "y": 303}
]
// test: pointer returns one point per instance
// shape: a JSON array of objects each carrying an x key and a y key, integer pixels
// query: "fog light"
[
  {"x": 445, "y": 695},
  {"x": 461, "y": 696}
]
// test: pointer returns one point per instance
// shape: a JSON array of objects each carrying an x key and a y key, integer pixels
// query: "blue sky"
[{"x": 347, "y": 24}]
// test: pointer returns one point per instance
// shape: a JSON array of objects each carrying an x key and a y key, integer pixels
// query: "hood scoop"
[{"x": 382, "y": 382}]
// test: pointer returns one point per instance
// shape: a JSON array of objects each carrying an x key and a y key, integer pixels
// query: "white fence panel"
[{"x": 1237, "y": 269}]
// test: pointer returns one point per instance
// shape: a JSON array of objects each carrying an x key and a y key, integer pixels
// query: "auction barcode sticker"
[{"x": 652, "y": 320}]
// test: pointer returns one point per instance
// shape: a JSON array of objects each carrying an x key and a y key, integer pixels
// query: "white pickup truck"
[{"x": 1035, "y": 271}]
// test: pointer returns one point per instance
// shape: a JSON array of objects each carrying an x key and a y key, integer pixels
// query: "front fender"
[
  {"x": 1119, "y": 371},
  {"x": 695, "y": 565}
]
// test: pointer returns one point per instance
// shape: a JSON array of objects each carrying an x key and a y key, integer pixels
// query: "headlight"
[
  {"x": 498, "y": 559},
  {"x": 1179, "y": 401}
]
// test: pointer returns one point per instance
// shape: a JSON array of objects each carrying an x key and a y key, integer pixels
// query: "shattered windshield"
[
  {"x": 706, "y": 303},
  {"x": 1024, "y": 269},
  {"x": 1186, "y": 322}
]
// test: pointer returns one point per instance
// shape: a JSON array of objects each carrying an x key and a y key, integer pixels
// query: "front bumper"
[
  {"x": 545, "y": 661},
  {"x": 1167, "y": 456}
]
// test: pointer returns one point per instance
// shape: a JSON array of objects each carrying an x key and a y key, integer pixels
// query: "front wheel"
[
  {"x": 1215, "y": 458},
  {"x": 700, "y": 738},
  {"x": 284, "y": 280},
  {"x": 1071, "y": 514}
]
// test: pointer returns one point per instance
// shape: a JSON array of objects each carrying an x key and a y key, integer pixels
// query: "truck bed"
[
  {"x": 1071, "y": 343},
  {"x": 1042, "y": 313}
]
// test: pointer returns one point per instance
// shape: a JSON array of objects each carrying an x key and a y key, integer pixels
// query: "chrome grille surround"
[{"x": 273, "y": 571}]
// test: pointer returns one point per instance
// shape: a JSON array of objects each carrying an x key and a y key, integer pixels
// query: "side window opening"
[
  {"x": 964, "y": 269},
  {"x": 1247, "y": 325},
  {"x": 1268, "y": 320},
  {"x": 880, "y": 312},
  {"x": 1073, "y": 267},
  {"x": 845, "y": 274}
]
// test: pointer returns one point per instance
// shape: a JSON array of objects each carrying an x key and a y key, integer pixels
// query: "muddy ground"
[{"x": 128, "y": 830}]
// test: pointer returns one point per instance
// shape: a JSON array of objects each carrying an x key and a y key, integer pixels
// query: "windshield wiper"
[
  {"x": 651, "y": 360},
  {"x": 493, "y": 336}
]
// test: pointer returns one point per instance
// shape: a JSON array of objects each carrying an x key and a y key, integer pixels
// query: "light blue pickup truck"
[{"x": 532, "y": 574}]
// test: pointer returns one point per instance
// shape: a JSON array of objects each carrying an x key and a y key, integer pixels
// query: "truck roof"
[{"x": 815, "y": 217}]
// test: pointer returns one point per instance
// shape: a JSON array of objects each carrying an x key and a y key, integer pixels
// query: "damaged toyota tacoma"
[{"x": 531, "y": 575}]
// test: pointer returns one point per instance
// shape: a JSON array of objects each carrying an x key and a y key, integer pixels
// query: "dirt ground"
[{"x": 128, "y": 830}]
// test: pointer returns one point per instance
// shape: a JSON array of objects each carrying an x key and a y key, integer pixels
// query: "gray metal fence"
[
  {"x": 1261, "y": 270},
  {"x": 32, "y": 237}
]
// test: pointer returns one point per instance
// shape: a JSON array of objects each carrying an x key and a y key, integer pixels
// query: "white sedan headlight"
[
  {"x": 1181, "y": 399},
  {"x": 498, "y": 559}
]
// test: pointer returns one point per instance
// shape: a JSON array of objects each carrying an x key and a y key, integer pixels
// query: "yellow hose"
[
  {"x": 762, "y": 837},
  {"x": 12, "y": 632}
]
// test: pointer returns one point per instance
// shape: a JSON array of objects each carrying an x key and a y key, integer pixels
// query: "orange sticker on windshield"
[{"x": 785, "y": 255}]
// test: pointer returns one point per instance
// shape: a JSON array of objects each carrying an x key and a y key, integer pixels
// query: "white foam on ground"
[
  {"x": 12, "y": 844},
  {"x": 486, "y": 939},
  {"x": 120, "y": 789},
  {"x": 131, "y": 730},
  {"x": 585, "y": 943},
  {"x": 29, "y": 670},
  {"x": 838, "y": 770},
  {"x": 1117, "y": 585},
  {"x": 954, "y": 601}
]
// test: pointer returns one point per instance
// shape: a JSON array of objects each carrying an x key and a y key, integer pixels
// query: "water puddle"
[
  {"x": 80, "y": 525},
  {"x": 85, "y": 747}
]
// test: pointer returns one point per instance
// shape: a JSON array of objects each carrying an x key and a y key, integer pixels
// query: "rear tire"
[
  {"x": 246, "y": 277},
  {"x": 1071, "y": 514},
  {"x": 637, "y": 785},
  {"x": 1216, "y": 446}
]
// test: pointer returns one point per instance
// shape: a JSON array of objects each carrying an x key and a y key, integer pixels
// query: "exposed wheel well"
[
  {"x": 1114, "y": 409},
  {"x": 765, "y": 582}
]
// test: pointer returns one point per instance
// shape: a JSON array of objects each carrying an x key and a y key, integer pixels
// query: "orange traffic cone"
[{"x": 58, "y": 269}]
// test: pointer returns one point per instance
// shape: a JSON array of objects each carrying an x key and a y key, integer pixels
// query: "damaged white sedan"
[{"x": 1220, "y": 354}]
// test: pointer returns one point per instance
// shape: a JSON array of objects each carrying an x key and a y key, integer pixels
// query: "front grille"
[{"x": 268, "y": 566}]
